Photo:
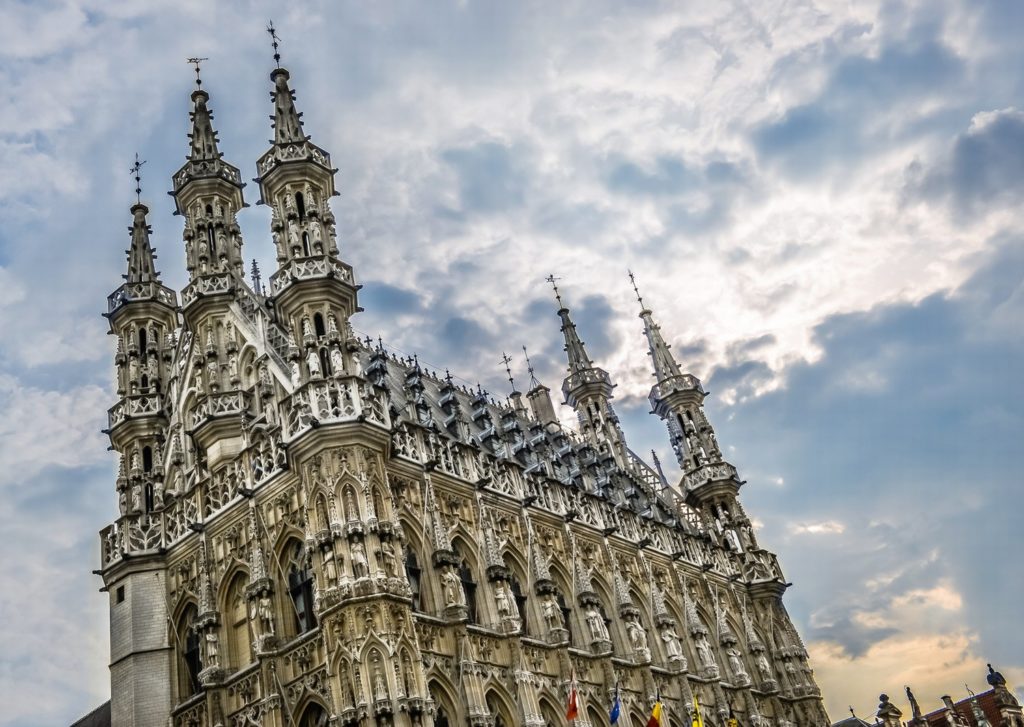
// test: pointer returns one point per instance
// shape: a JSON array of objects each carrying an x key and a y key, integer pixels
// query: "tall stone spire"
[
  {"x": 678, "y": 398},
  {"x": 287, "y": 121},
  {"x": 296, "y": 181},
  {"x": 665, "y": 366},
  {"x": 141, "y": 256},
  {"x": 208, "y": 192},
  {"x": 588, "y": 390},
  {"x": 204, "y": 138}
]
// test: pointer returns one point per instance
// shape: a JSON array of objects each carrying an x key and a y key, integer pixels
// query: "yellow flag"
[{"x": 698, "y": 721}]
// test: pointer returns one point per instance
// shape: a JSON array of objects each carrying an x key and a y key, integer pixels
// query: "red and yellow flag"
[
  {"x": 655, "y": 720},
  {"x": 572, "y": 710}
]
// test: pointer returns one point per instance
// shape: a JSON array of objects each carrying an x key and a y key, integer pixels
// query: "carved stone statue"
[
  {"x": 360, "y": 566},
  {"x": 212, "y": 649},
  {"x": 503, "y": 599},
  {"x": 313, "y": 363},
  {"x": 316, "y": 234},
  {"x": 261, "y": 613},
  {"x": 281, "y": 253},
  {"x": 637, "y": 636},
  {"x": 551, "y": 612},
  {"x": 337, "y": 360},
  {"x": 380, "y": 687},
  {"x": 764, "y": 667},
  {"x": 595, "y": 622},
  {"x": 736, "y": 663},
  {"x": 387, "y": 557},
  {"x": 453, "y": 595},
  {"x": 915, "y": 708},
  {"x": 673, "y": 648},
  {"x": 704, "y": 653}
]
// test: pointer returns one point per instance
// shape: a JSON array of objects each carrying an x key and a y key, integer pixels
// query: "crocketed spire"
[
  {"x": 141, "y": 268},
  {"x": 287, "y": 121},
  {"x": 204, "y": 138}
]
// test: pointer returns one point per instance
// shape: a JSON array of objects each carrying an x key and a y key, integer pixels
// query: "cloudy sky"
[{"x": 820, "y": 200}]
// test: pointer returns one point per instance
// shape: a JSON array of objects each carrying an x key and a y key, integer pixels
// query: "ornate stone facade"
[{"x": 314, "y": 531}]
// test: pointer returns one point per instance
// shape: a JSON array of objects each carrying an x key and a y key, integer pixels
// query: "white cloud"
[
  {"x": 631, "y": 143},
  {"x": 826, "y": 527}
]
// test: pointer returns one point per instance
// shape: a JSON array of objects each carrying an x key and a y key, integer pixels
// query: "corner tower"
[
  {"x": 588, "y": 390},
  {"x": 143, "y": 315}
]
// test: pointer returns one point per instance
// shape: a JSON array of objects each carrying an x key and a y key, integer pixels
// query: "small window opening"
[
  {"x": 142, "y": 340},
  {"x": 147, "y": 459},
  {"x": 119, "y": 595},
  {"x": 300, "y": 206},
  {"x": 318, "y": 324},
  {"x": 305, "y": 244}
]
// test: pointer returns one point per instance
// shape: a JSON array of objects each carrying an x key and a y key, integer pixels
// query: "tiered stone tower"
[{"x": 314, "y": 531}]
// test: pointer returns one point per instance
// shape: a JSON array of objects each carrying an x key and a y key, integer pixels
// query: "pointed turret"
[
  {"x": 142, "y": 313},
  {"x": 141, "y": 256},
  {"x": 296, "y": 181},
  {"x": 208, "y": 192},
  {"x": 708, "y": 480},
  {"x": 588, "y": 390}
]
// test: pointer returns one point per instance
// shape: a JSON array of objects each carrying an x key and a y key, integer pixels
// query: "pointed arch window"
[
  {"x": 521, "y": 601},
  {"x": 211, "y": 241},
  {"x": 566, "y": 616},
  {"x": 414, "y": 573},
  {"x": 305, "y": 244},
  {"x": 142, "y": 339},
  {"x": 469, "y": 589},
  {"x": 190, "y": 663},
  {"x": 300, "y": 588},
  {"x": 237, "y": 610},
  {"x": 325, "y": 362},
  {"x": 314, "y": 716},
  {"x": 300, "y": 206},
  {"x": 318, "y": 324}
]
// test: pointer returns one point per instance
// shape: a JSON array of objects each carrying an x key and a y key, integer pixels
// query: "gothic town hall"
[{"x": 315, "y": 531}]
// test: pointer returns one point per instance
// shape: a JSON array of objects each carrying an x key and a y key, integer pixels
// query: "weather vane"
[
  {"x": 197, "y": 62},
  {"x": 551, "y": 279},
  {"x": 275, "y": 40},
  {"x": 508, "y": 369},
  {"x": 136, "y": 171},
  {"x": 636, "y": 290}
]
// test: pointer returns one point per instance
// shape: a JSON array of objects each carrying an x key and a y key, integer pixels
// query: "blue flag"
[{"x": 616, "y": 707}]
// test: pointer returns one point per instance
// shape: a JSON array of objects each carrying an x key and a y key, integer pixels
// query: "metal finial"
[
  {"x": 137, "y": 173},
  {"x": 529, "y": 366},
  {"x": 636, "y": 290},
  {"x": 852, "y": 712},
  {"x": 551, "y": 279},
  {"x": 275, "y": 40},
  {"x": 380, "y": 343},
  {"x": 197, "y": 62},
  {"x": 508, "y": 369},
  {"x": 448, "y": 376}
]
